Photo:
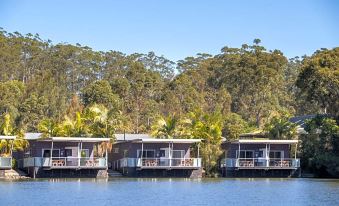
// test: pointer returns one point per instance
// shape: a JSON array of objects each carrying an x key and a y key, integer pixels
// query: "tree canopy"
[{"x": 249, "y": 87}]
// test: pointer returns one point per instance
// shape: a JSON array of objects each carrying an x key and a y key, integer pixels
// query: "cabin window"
[
  {"x": 146, "y": 154},
  {"x": 245, "y": 154},
  {"x": 178, "y": 153},
  {"x": 47, "y": 153},
  {"x": 276, "y": 154},
  {"x": 116, "y": 150},
  {"x": 260, "y": 154},
  {"x": 68, "y": 152},
  {"x": 84, "y": 153},
  {"x": 164, "y": 152}
]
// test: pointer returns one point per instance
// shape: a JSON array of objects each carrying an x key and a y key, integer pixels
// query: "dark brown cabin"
[
  {"x": 65, "y": 157},
  {"x": 260, "y": 157},
  {"x": 149, "y": 157}
]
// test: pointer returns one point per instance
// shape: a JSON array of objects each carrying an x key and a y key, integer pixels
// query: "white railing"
[
  {"x": 6, "y": 162},
  {"x": 261, "y": 162},
  {"x": 158, "y": 162},
  {"x": 66, "y": 162}
]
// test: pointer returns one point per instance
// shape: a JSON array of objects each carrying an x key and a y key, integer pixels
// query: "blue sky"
[{"x": 178, "y": 28}]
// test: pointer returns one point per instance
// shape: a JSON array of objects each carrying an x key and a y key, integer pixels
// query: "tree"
[
  {"x": 208, "y": 127},
  {"x": 165, "y": 127},
  {"x": 281, "y": 128},
  {"x": 11, "y": 95},
  {"x": 7, "y": 129},
  {"x": 234, "y": 125},
  {"x": 100, "y": 92},
  {"x": 102, "y": 124},
  {"x": 158, "y": 64},
  {"x": 254, "y": 78},
  {"x": 320, "y": 146},
  {"x": 49, "y": 128},
  {"x": 74, "y": 127},
  {"x": 32, "y": 110},
  {"x": 319, "y": 80}
]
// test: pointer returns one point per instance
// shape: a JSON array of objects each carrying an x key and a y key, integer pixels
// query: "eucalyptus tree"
[
  {"x": 318, "y": 80},
  {"x": 254, "y": 77}
]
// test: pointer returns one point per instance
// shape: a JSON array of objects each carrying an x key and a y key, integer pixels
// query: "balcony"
[
  {"x": 5, "y": 162},
  {"x": 159, "y": 163},
  {"x": 261, "y": 163},
  {"x": 66, "y": 162}
]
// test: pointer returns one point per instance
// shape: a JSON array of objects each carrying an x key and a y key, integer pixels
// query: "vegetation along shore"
[{"x": 64, "y": 90}]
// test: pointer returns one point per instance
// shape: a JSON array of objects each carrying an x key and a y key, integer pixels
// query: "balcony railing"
[
  {"x": 66, "y": 162},
  {"x": 5, "y": 162},
  {"x": 158, "y": 163},
  {"x": 273, "y": 163}
]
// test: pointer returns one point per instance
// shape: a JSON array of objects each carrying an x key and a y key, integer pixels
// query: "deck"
[
  {"x": 5, "y": 162},
  {"x": 66, "y": 162},
  {"x": 159, "y": 163},
  {"x": 261, "y": 163}
]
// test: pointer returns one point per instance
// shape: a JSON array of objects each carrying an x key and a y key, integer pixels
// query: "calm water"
[{"x": 170, "y": 192}]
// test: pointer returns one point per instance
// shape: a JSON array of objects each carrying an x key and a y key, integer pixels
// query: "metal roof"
[
  {"x": 166, "y": 140},
  {"x": 264, "y": 141},
  {"x": 75, "y": 139},
  {"x": 7, "y": 137},
  {"x": 128, "y": 137},
  {"x": 32, "y": 136}
]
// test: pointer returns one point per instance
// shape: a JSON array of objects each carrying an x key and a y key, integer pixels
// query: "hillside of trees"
[{"x": 240, "y": 89}]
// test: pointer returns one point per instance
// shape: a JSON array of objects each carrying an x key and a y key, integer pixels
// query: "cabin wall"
[
  {"x": 130, "y": 150},
  {"x": 36, "y": 147},
  {"x": 232, "y": 148}
]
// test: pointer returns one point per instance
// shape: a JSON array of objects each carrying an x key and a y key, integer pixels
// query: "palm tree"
[
  {"x": 165, "y": 127},
  {"x": 49, "y": 128},
  {"x": 209, "y": 128},
  {"x": 281, "y": 128},
  {"x": 74, "y": 127},
  {"x": 7, "y": 129},
  {"x": 102, "y": 124}
]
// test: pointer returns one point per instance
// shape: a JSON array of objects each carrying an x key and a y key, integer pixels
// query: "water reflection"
[{"x": 170, "y": 191}]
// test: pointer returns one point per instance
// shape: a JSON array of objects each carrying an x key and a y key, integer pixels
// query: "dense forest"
[{"x": 238, "y": 90}]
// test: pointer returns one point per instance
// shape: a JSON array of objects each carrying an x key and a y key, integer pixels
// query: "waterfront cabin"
[
  {"x": 260, "y": 158},
  {"x": 145, "y": 156},
  {"x": 65, "y": 157},
  {"x": 6, "y": 159}
]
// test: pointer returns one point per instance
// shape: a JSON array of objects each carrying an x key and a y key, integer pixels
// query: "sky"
[{"x": 178, "y": 28}]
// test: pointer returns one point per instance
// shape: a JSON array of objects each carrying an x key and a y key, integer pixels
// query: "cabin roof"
[
  {"x": 264, "y": 141},
  {"x": 38, "y": 137},
  {"x": 75, "y": 139},
  {"x": 129, "y": 137},
  {"x": 301, "y": 120},
  {"x": 7, "y": 137},
  {"x": 165, "y": 140},
  {"x": 32, "y": 136}
]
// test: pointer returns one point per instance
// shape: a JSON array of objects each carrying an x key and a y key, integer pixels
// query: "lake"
[{"x": 125, "y": 191}]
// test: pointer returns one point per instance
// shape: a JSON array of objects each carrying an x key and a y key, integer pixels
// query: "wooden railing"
[
  {"x": 66, "y": 162},
  {"x": 261, "y": 163},
  {"x": 5, "y": 162},
  {"x": 158, "y": 163}
]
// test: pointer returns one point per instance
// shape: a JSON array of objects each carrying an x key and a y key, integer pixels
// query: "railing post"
[{"x": 50, "y": 161}]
